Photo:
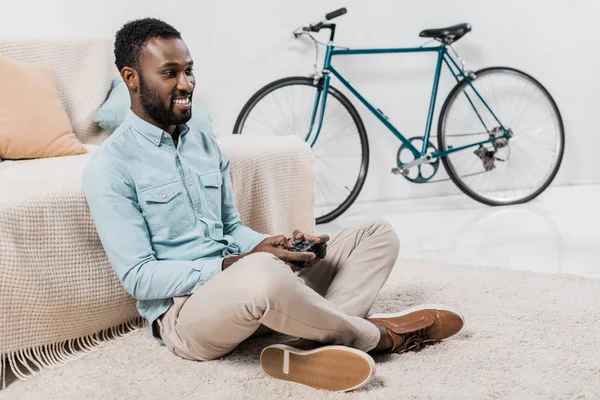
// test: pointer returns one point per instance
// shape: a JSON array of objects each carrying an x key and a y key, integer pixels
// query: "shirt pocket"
[
  {"x": 212, "y": 182},
  {"x": 165, "y": 210}
]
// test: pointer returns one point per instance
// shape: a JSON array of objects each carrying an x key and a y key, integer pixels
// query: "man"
[{"x": 161, "y": 197}]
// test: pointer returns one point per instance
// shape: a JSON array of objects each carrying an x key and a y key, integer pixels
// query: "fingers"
[
  {"x": 298, "y": 257},
  {"x": 301, "y": 235},
  {"x": 323, "y": 239},
  {"x": 287, "y": 243},
  {"x": 271, "y": 240},
  {"x": 282, "y": 241},
  {"x": 294, "y": 257},
  {"x": 278, "y": 240},
  {"x": 318, "y": 239}
]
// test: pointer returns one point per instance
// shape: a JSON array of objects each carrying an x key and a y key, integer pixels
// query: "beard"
[{"x": 154, "y": 107}]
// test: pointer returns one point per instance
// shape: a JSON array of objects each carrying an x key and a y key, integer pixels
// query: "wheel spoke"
[
  {"x": 533, "y": 153},
  {"x": 285, "y": 109}
]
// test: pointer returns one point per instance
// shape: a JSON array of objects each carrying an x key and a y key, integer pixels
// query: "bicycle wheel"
[
  {"x": 341, "y": 152},
  {"x": 513, "y": 170}
]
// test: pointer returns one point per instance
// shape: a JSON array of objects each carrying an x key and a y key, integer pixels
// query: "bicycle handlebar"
[
  {"x": 322, "y": 25},
  {"x": 336, "y": 13}
]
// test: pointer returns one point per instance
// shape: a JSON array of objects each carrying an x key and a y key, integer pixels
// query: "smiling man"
[{"x": 161, "y": 197}]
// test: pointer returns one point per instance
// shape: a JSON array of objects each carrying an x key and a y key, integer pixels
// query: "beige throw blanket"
[{"x": 59, "y": 296}]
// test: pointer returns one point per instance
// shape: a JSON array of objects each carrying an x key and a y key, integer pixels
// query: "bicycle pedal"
[{"x": 399, "y": 171}]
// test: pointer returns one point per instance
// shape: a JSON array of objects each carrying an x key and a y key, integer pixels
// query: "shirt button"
[
  {"x": 200, "y": 215},
  {"x": 165, "y": 135},
  {"x": 189, "y": 183},
  {"x": 156, "y": 141},
  {"x": 164, "y": 196}
]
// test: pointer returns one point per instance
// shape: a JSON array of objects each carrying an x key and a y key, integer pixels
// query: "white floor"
[{"x": 559, "y": 232}]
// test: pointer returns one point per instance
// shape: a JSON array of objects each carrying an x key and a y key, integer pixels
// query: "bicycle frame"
[{"x": 443, "y": 56}]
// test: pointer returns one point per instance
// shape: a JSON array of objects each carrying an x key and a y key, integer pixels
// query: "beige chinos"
[{"x": 326, "y": 302}]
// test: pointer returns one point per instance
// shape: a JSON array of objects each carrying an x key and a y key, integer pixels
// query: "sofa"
[{"x": 59, "y": 296}]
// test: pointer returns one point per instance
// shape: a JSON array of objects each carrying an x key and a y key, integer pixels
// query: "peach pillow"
[{"x": 33, "y": 121}]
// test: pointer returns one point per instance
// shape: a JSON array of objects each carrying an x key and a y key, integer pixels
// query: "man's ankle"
[
  {"x": 385, "y": 342},
  {"x": 304, "y": 344}
]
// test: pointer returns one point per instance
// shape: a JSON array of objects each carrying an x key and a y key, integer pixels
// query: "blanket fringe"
[{"x": 53, "y": 355}]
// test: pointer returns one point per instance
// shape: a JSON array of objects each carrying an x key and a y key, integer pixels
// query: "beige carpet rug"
[{"x": 527, "y": 336}]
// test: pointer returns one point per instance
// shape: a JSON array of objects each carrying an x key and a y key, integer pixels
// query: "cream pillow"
[{"x": 33, "y": 121}]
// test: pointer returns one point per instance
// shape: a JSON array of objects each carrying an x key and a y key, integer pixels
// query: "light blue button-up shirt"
[{"x": 166, "y": 216}]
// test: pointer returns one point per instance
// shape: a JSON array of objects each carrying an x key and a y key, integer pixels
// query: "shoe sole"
[
  {"x": 333, "y": 368},
  {"x": 440, "y": 307}
]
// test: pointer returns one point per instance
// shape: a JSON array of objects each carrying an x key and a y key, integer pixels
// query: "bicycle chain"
[{"x": 463, "y": 176}]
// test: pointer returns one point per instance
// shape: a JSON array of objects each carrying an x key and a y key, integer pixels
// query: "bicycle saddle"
[{"x": 447, "y": 35}]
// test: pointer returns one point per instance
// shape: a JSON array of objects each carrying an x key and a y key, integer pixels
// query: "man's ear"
[{"x": 131, "y": 78}]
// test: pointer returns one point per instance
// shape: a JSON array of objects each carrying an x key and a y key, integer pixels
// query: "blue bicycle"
[{"x": 500, "y": 133}]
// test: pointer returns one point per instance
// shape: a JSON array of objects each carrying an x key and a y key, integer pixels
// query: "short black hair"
[{"x": 132, "y": 37}]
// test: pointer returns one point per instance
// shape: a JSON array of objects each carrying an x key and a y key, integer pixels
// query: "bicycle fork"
[{"x": 318, "y": 112}]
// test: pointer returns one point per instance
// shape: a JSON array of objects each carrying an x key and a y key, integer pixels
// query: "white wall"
[{"x": 239, "y": 46}]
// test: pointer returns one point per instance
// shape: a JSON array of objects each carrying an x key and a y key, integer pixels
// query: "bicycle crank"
[{"x": 427, "y": 167}]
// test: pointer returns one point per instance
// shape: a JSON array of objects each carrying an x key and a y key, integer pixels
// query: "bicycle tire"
[
  {"x": 454, "y": 93},
  {"x": 364, "y": 143}
]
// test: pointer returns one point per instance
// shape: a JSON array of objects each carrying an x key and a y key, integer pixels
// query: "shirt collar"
[{"x": 151, "y": 132}]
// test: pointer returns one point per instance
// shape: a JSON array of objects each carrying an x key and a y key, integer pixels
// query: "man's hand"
[
  {"x": 318, "y": 239},
  {"x": 269, "y": 245}
]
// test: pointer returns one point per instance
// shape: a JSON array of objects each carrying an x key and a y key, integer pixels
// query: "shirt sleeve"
[
  {"x": 245, "y": 238},
  {"x": 112, "y": 199}
]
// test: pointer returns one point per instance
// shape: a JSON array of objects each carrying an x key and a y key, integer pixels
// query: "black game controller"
[{"x": 306, "y": 245}]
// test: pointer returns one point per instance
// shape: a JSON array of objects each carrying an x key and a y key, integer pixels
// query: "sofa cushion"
[
  {"x": 112, "y": 113},
  {"x": 33, "y": 121},
  {"x": 84, "y": 71}
]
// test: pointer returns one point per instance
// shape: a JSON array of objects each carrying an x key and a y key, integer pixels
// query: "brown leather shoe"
[{"x": 419, "y": 326}]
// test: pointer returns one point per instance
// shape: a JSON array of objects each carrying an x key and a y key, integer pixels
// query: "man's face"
[{"x": 166, "y": 81}]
